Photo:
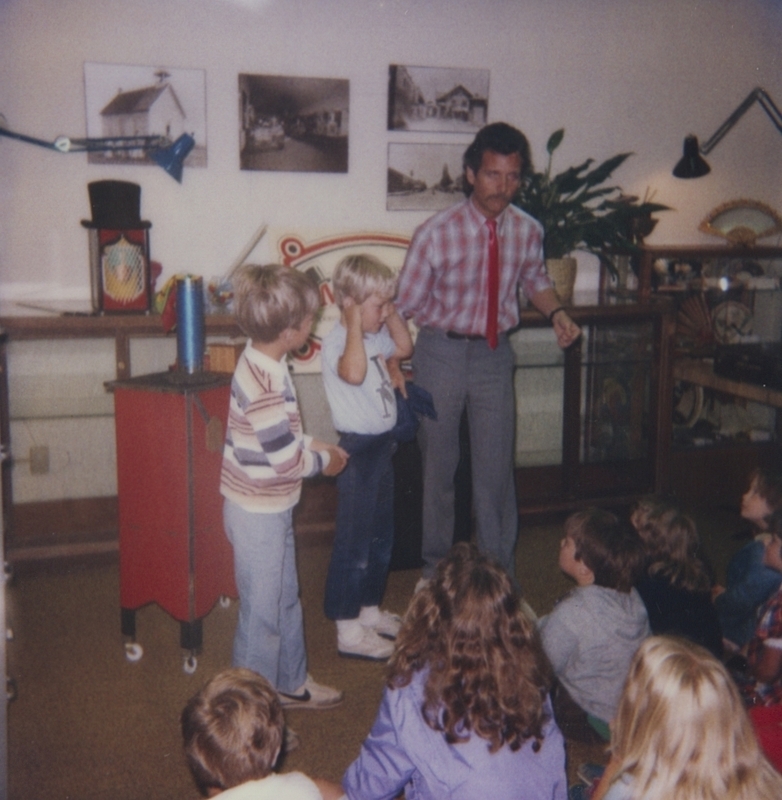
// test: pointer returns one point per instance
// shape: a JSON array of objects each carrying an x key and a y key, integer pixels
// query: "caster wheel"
[
  {"x": 190, "y": 665},
  {"x": 133, "y": 651},
  {"x": 225, "y": 601}
]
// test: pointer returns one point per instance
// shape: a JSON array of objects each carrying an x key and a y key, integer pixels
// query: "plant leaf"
[{"x": 555, "y": 140}]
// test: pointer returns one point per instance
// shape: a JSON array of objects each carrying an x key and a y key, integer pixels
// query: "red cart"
[{"x": 172, "y": 546}]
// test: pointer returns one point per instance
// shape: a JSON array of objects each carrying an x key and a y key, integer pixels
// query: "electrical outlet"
[{"x": 39, "y": 460}]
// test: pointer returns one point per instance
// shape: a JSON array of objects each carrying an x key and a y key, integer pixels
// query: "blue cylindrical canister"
[{"x": 190, "y": 324}]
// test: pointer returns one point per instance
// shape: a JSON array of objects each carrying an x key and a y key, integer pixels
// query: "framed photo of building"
[
  {"x": 293, "y": 124},
  {"x": 125, "y": 100},
  {"x": 437, "y": 99},
  {"x": 424, "y": 177}
]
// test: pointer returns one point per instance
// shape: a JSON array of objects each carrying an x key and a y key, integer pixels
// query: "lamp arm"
[
  {"x": 766, "y": 103},
  {"x": 30, "y": 139}
]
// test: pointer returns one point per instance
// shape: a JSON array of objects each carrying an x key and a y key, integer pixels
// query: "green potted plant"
[{"x": 579, "y": 212}]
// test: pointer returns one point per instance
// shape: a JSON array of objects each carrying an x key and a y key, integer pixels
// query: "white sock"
[
  {"x": 369, "y": 616},
  {"x": 349, "y": 631}
]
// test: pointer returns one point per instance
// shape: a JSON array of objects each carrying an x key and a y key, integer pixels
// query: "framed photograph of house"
[
  {"x": 293, "y": 124},
  {"x": 125, "y": 100},
  {"x": 424, "y": 177},
  {"x": 437, "y": 99}
]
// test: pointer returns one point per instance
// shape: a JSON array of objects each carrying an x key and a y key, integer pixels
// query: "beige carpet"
[{"x": 89, "y": 724}]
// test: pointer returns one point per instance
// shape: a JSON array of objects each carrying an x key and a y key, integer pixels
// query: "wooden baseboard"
[{"x": 87, "y": 527}]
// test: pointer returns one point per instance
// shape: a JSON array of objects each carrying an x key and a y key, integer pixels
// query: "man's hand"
[{"x": 565, "y": 329}]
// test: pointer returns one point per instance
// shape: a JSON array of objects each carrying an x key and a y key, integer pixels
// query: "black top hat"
[{"x": 115, "y": 205}]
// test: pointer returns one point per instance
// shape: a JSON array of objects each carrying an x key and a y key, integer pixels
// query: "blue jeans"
[
  {"x": 365, "y": 526},
  {"x": 269, "y": 635},
  {"x": 749, "y": 584}
]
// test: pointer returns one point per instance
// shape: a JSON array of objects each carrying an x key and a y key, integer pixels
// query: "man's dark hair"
[{"x": 499, "y": 137}]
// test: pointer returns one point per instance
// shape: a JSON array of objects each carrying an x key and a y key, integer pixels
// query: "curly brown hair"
[{"x": 487, "y": 672}]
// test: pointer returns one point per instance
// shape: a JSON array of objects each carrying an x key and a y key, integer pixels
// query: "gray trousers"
[{"x": 467, "y": 374}]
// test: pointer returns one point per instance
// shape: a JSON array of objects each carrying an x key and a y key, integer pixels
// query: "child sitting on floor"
[
  {"x": 676, "y": 588},
  {"x": 761, "y": 679},
  {"x": 592, "y": 633},
  {"x": 681, "y": 732},
  {"x": 750, "y": 581},
  {"x": 233, "y": 732},
  {"x": 465, "y": 712}
]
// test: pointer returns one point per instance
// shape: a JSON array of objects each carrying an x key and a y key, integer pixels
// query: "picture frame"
[
  {"x": 437, "y": 99},
  {"x": 130, "y": 100},
  {"x": 293, "y": 124},
  {"x": 424, "y": 177}
]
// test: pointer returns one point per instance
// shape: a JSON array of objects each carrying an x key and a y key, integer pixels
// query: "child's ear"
[{"x": 585, "y": 576}]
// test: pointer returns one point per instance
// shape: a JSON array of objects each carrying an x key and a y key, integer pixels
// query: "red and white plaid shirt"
[{"x": 443, "y": 283}]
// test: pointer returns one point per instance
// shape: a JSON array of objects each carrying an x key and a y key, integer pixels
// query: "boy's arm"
[
  {"x": 400, "y": 334},
  {"x": 352, "y": 364}
]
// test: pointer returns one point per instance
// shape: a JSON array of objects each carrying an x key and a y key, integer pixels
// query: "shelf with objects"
[
  {"x": 726, "y": 361},
  {"x": 593, "y": 422}
]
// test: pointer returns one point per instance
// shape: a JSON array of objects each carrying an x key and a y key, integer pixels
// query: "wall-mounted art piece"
[
  {"x": 293, "y": 124},
  {"x": 125, "y": 100},
  {"x": 438, "y": 99},
  {"x": 424, "y": 177}
]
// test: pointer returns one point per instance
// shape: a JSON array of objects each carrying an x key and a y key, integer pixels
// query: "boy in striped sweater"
[{"x": 266, "y": 456}]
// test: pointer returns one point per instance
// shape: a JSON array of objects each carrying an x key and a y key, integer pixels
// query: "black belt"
[{"x": 470, "y": 337}]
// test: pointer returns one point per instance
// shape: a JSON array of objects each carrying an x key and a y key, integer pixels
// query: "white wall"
[{"x": 619, "y": 75}]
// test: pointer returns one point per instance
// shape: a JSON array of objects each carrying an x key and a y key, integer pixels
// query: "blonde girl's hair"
[
  {"x": 271, "y": 298},
  {"x": 681, "y": 731},
  {"x": 360, "y": 276}
]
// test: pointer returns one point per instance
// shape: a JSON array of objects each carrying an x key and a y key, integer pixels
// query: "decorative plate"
[
  {"x": 732, "y": 322},
  {"x": 742, "y": 221}
]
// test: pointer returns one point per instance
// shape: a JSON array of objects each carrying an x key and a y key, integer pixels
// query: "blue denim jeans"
[
  {"x": 749, "y": 584},
  {"x": 365, "y": 526},
  {"x": 269, "y": 635}
]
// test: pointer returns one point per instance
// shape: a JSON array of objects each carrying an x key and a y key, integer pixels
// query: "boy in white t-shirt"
[
  {"x": 360, "y": 392},
  {"x": 232, "y": 731}
]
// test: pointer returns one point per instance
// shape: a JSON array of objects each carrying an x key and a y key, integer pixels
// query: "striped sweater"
[{"x": 266, "y": 453}]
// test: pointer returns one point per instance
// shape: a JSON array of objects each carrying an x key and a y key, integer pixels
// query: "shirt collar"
[{"x": 480, "y": 220}]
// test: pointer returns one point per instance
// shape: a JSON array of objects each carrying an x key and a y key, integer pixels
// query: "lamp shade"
[
  {"x": 171, "y": 158},
  {"x": 691, "y": 165}
]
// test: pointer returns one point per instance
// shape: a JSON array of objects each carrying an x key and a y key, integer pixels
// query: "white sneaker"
[
  {"x": 311, "y": 695},
  {"x": 383, "y": 623},
  {"x": 369, "y": 646}
]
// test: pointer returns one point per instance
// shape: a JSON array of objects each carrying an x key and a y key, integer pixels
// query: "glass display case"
[
  {"x": 593, "y": 422},
  {"x": 726, "y": 360}
]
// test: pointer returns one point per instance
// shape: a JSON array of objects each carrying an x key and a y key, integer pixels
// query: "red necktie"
[{"x": 494, "y": 284}]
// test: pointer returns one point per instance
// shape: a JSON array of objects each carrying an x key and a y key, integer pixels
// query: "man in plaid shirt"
[{"x": 444, "y": 287}]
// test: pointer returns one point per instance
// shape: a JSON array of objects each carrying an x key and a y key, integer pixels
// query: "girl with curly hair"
[
  {"x": 466, "y": 703},
  {"x": 681, "y": 732}
]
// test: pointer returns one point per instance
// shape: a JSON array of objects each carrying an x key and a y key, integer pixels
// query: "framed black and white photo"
[
  {"x": 293, "y": 124},
  {"x": 437, "y": 99},
  {"x": 424, "y": 177},
  {"x": 125, "y": 100}
]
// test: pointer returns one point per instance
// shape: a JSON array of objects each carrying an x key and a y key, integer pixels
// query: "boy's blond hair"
[
  {"x": 681, "y": 731},
  {"x": 271, "y": 298},
  {"x": 232, "y": 730},
  {"x": 360, "y": 276}
]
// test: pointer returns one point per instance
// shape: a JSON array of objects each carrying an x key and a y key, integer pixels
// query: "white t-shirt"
[
  {"x": 370, "y": 407},
  {"x": 288, "y": 786}
]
